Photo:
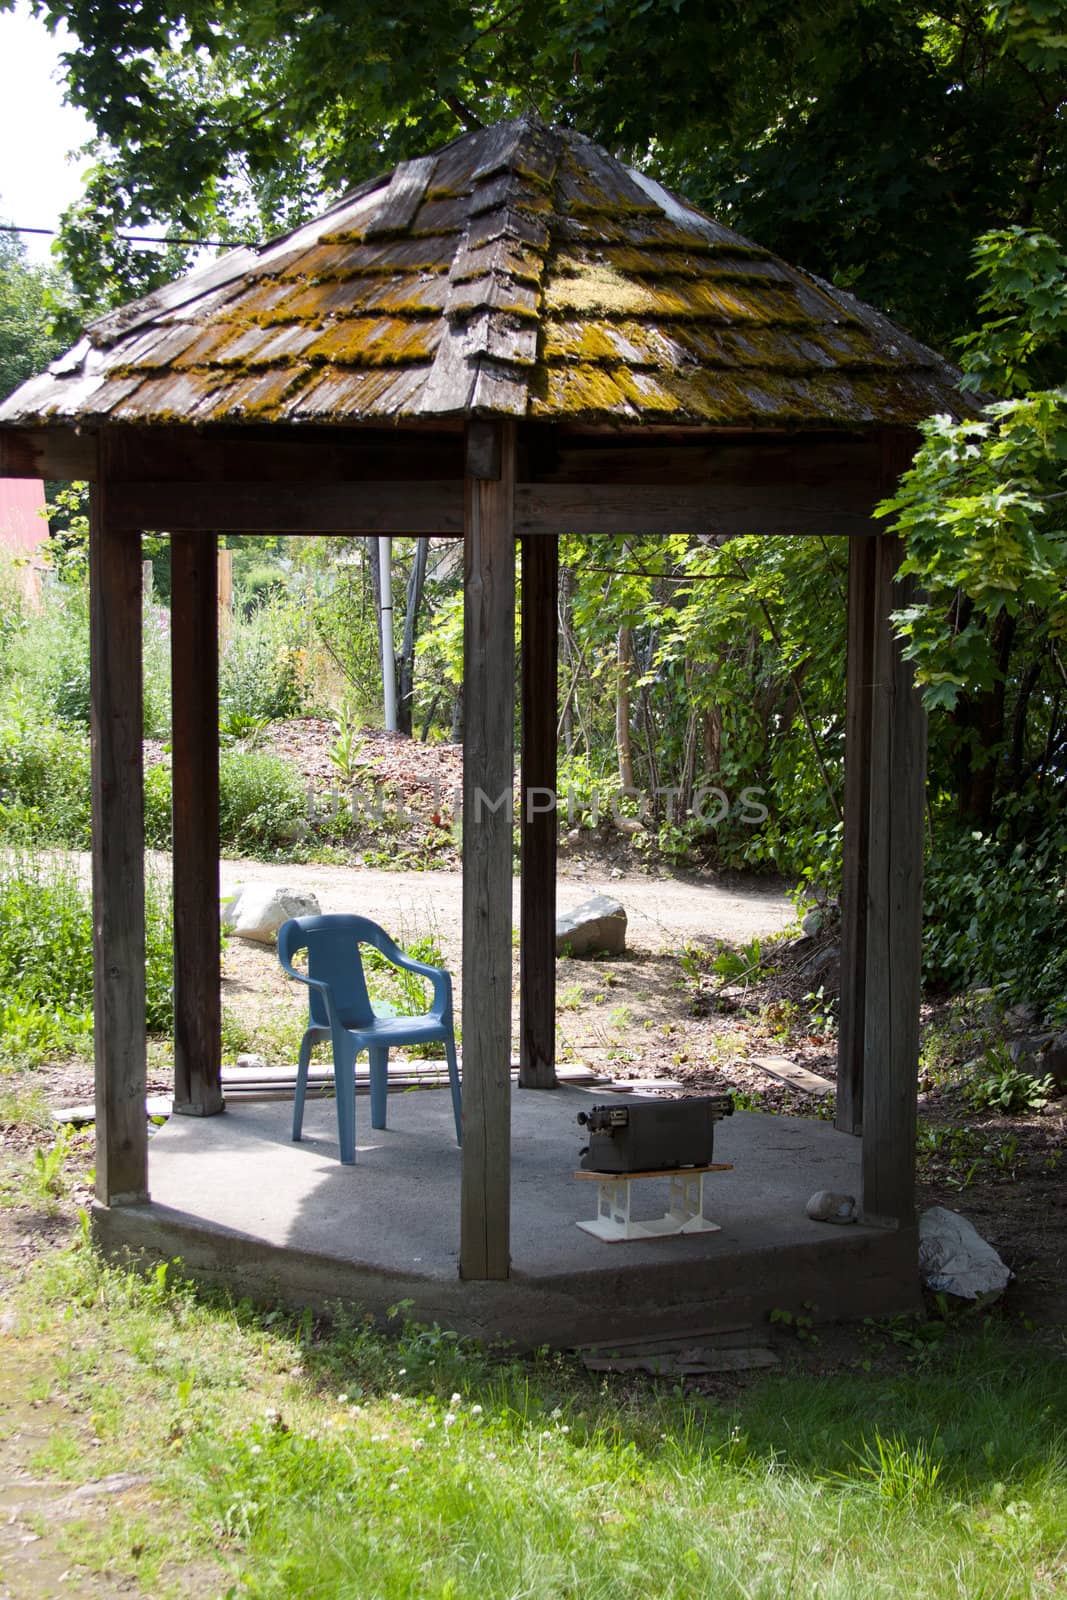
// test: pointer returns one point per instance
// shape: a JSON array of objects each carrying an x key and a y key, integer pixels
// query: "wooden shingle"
[{"x": 519, "y": 271}]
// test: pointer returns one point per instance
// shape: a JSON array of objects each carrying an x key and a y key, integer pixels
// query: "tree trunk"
[
  {"x": 624, "y": 657},
  {"x": 406, "y": 664},
  {"x": 979, "y": 725}
]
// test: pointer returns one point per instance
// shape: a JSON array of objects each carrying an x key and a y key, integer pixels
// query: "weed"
[
  {"x": 822, "y": 1010},
  {"x": 900, "y": 1471},
  {"x": 780, "y": 1019},
  {"x": 47, "y": 1177},
  {"x": 801, "y": 1323},
  {"x": 346, "y": 747},
  {"x": 1004, "y": 1086},
  {"x": 241, "y": 727}
]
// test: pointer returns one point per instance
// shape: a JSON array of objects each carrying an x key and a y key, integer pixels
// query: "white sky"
[{"x": 37, "y": 131}]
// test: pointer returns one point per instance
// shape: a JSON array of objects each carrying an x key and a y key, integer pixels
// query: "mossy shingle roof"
[{"x": 519, "y": 271}]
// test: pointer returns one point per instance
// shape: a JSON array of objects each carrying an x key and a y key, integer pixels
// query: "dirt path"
[{"x": 662, "y": 911}]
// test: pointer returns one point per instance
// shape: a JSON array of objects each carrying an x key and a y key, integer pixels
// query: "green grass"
[{"x": 350, "y": 1463}]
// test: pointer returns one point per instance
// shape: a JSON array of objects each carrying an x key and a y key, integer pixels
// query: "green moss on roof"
[{"x": 529, "y": 274}]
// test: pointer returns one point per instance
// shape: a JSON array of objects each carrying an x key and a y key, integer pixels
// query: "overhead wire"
[{"x": 141, "y": 238}]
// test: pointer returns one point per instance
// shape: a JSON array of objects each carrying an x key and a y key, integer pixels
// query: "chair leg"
[
  {"x": 303, "y": 1062},
  {"x": 379, "y": 1086},
  {"x": 344, "y": 1077},
  {"x": 453, "y": 1078}
]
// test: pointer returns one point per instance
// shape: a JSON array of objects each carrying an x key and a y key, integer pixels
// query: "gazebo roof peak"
[{"x": 518, "y": 271}]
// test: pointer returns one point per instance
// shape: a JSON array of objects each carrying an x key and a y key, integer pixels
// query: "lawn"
[{"x": 266, "y": 1454}]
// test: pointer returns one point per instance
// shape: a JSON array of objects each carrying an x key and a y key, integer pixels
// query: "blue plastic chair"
[{"x": 339, "y": 1009}]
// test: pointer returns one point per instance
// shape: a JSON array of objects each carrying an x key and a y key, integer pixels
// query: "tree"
[
  {"x": 27, "y": 343},
  {"x": 984, "y": 515},
  {"x": 869, "y": 142}
]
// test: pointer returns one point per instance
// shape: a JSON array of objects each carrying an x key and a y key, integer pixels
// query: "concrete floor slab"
[{"x": 244, "y": 1205}]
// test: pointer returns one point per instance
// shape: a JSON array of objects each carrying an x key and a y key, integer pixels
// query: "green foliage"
[
  {"x": 346, "y": 623},
  {"x": 405, "y": 992},
  {"x": 735, "y": 693},
  {"x": 44, "y": 775},
  {"x": 345, "y": 750},
  {"x": 27, "y": 343},
  {"x": 261, "y": 802},
  {"x": 982, "y": 508},
  {"x": 46, "y": 957},
  {"x": 870, "y": 142},
  {"x": 67, "y": 546},
  {"x": 261, "y": 668},
  {"x": 48, "y": 655},
  {"x": 240, "y": 727},
  {"x": 995, "y": 914},
  {"x": 898, "y": 1469},
  {"x": 1000, "y": 1085}
]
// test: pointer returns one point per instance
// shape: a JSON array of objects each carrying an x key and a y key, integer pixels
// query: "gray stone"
[
  {"x": 821, "y": 960},
  {"x": 827, "y": 1205},
  {"x": 256, "y": 911},
  {"x": 596, "y": 927},
  {"x": 1022, "y": 1018},
  {"x": 812, "y": 923},
  {"x": 1054, "y": 1060}
]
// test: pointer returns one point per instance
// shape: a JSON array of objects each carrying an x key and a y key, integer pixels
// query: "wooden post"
[
  {"x": 117, "y": 854},
  {"x": 488, "y": 778},
  {"x": 858, "y": 681},
  {"x": 539, "y": 818},
  {"x": 894, "y": 912},
  {"x": 195, "y": 788}
]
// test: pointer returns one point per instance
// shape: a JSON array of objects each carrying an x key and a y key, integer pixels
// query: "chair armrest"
[
  {"x": 302, "y": 977},
  {"x": 315, "y": 983}
]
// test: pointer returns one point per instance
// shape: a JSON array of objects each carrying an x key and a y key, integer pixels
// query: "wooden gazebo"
[{"x": 509, "y": 339}]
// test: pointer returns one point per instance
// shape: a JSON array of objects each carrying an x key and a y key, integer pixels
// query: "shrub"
[
  {"x": 11, "y": 612},
  {"x": 155, "y": 657},
  {"x": 995, "y": 913},
  {"x": 46, "y": 957},
  {"x": 261, "y": 670},
  {"x": 261, "y": 802},
  {"x": 44, "y": 777},
  {"x": 157, "y": 807},
  {"x": 49, "y": 655}
]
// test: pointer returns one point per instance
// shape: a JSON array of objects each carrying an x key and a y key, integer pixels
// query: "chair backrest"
[{"x": 332, "y": 944}]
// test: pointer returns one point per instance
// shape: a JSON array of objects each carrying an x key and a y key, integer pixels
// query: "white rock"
[
  {"x": 955, "y": 1259},
  {"x": 257, "y": 910}
]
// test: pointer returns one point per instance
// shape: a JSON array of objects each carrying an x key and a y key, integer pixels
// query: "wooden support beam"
[
  {"x": 117, "y": 854},
  {"x": 488, "y": 776},
  {"x": 195, "y": 721},
  {"x": 539, "y": 819},
  {"x": 859, "y": 670},
  {"x": 710, "y": 508},
  {"x": 294, "y": 507},
  {"x": 894, "y": 912},
  {"x": 48, "y": 453},
  {"x": 541, "y": 510}
]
